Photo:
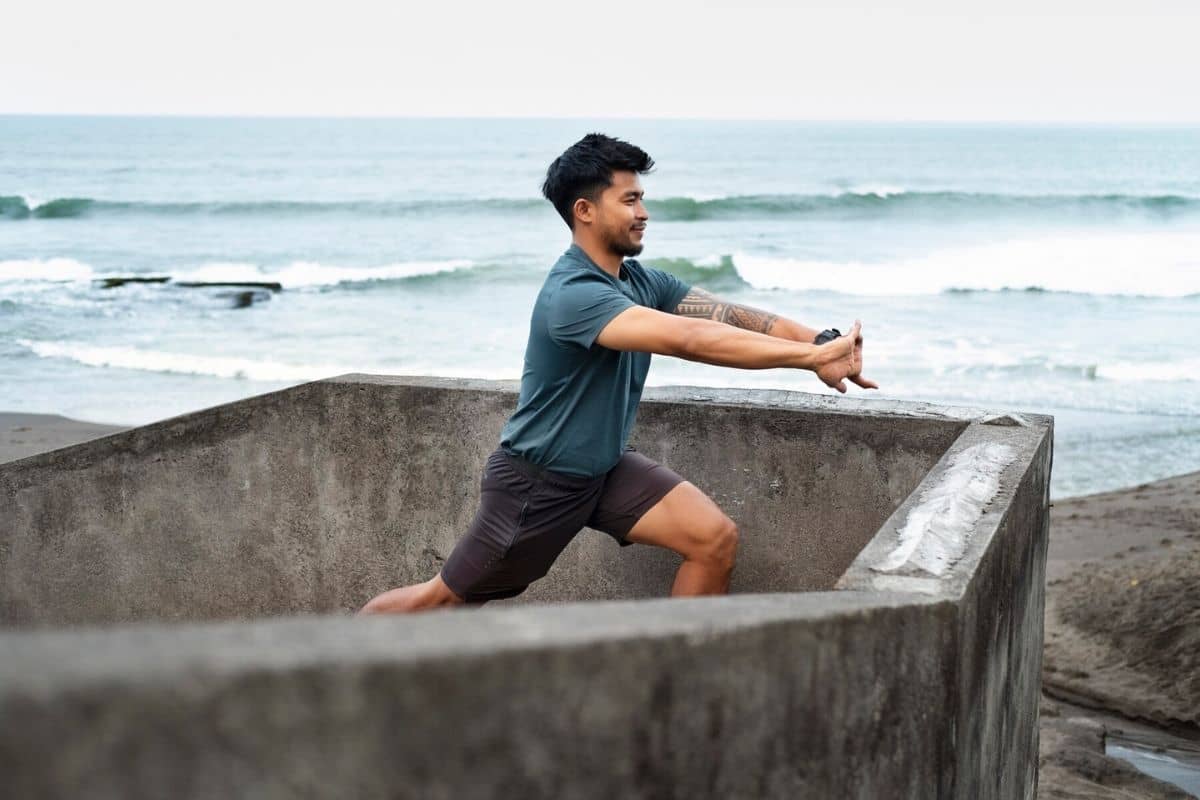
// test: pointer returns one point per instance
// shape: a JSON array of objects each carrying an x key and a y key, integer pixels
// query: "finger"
[
  {"x": 840, "y": 386},
  {"x": 864, "y": 383}
]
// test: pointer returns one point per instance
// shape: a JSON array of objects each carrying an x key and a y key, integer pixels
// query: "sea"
[{"x": 1041, "y": 268}]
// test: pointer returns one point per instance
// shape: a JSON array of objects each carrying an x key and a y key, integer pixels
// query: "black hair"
[{"x": 585, "y": 170}]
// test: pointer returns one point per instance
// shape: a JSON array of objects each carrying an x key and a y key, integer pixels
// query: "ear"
[{"x": 584, "y": 210}]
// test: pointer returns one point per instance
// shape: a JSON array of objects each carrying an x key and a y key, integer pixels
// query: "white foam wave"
[
  {"x": 1150, "y": 371},
  {"x": 298, "y": 274},
  {"x": 1163, "y": 265},
  {"x": 53, "y": 270},
  {"x": 244, "y": 368},
  {"x": 309, "y": 273},
  {"x": 183, "y": 363},
  {"x": 877, "y": 189}
]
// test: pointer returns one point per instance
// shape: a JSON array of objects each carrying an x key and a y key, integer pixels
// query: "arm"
[
  {"x": 700, "y": 304},
  {"x": 648, "y": 330}
]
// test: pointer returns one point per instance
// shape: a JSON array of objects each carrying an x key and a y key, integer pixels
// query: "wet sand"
[
  {"x": 1122, "y": 621},
  {"x": 1122, "y": 651}
]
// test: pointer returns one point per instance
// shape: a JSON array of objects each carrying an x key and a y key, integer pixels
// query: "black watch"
[{"x": 827, "y": 335}]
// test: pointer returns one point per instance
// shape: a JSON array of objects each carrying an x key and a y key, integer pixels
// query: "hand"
[
  {"x": 842, "y": 358},
  {"x": 856, "y": 376}
]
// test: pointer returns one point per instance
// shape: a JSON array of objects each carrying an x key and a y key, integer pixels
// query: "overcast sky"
[{"x": 1053, "y": 60}]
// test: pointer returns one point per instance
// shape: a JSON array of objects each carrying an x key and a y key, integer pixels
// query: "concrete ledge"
[{"x": 750, "y": 696}]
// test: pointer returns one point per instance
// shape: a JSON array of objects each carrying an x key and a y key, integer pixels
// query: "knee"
[
  {"x": 442, "y": 595},
  {"x": 720, "y": 544}
]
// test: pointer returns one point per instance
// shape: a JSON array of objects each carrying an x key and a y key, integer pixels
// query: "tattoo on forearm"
[{"x": 699, "y": 303}]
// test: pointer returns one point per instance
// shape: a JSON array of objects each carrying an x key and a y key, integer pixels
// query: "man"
[{"x": 562, "y": 463}]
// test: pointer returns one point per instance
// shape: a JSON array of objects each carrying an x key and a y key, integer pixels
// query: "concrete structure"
[{"x": 176, "y": 602}]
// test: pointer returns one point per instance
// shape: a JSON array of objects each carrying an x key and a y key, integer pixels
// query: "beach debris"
[
  {"x": 272, "y": 285},
  {"x": 112, "y": 283}
]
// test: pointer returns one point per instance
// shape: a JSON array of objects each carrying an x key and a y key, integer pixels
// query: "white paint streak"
[{"x": 937, "y": 530}]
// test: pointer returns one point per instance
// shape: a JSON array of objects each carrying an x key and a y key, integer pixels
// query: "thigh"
[
  {"x": 520, "y": 528},
  {"x": 686, "y": 521},
  {"x": 631, "y": 489},
  {"x": 470, "y": 569}
]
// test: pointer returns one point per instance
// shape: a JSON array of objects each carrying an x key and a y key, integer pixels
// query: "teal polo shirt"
[{"x": 578, "y": 399}]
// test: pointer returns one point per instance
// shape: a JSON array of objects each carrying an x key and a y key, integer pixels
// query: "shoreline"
[{"x": 1122, "y": 620}]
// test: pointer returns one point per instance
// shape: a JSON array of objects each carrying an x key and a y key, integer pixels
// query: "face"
[{"x": 620, "y": 215}]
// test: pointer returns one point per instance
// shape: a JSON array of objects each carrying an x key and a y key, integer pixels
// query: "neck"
[{"x": 607, "y": 260}]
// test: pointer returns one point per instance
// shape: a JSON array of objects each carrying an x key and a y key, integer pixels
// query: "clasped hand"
[{"x": 844, "y": 361}]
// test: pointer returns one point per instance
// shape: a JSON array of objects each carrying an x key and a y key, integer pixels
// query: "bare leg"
[
  {"x": 687, "y": 521},
  {"x": 433, "y": 593}
]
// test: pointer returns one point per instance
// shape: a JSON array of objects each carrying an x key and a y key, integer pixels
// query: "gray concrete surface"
[
  {"x": 753, "y": 696},
  {"x": 825, "y": 674}
]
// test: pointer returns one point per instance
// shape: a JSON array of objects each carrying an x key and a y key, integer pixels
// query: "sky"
[{"x": 920, "y": 60}]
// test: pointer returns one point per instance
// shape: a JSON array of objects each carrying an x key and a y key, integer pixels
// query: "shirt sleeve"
[
  {"x": 669, "y": 289},
  {"x": 581, "y": 308}
]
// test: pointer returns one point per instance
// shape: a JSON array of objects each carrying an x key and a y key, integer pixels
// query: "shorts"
[{"x": 528, "y": 515}]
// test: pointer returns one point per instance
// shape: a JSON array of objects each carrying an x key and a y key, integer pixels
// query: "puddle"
[{"x": 1160, "y": 756}]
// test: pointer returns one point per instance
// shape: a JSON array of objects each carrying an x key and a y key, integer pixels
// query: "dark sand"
[
  {"x": 24, "y": 435},
  {"x": 1122, "y": 621},
  {"x": 1122, "y": 635}
]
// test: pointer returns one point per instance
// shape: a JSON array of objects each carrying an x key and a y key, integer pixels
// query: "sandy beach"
[
  {"x": 24, "y": 434},
  {"x": 1122, "y": 652}
]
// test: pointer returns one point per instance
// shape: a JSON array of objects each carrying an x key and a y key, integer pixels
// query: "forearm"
[
  {"x": 786, "y": 328},
  {"x": 701, "y": 304},
  {"x": 725, "y": 346}
]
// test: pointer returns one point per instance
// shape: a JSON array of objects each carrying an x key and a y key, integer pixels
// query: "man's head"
[{"x": 594, "y": 187}]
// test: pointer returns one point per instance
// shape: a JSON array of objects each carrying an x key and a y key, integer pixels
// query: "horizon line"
[{"x": 1059, "y": 122}]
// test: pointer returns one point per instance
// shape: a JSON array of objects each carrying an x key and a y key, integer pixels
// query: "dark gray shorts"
[{"x": 527, "y": 515}]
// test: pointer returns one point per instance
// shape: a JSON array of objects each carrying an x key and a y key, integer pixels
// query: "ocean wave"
[
  {"x": 235, "y": 368},
  {"x": 20, "y": 207},
  {"x": 52, "y": 270},
  {"x": 714, "y": 272},
  {"x": 1149, "y": 371},
  {"x": 859, "y": 202},
  {"x": 23, "y": 207},
  {"x": 298, "y": 274},
  {"x": 306, "y": 274},
  {"x": 1149, "y": 265},
  {"x": 1116, "y": 372},
  {"x": 181, "y": 363},
  {"x": 883, "y": 202}
]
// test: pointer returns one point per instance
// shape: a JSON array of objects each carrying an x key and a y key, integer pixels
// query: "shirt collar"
[{"x": 581, "y": 254}]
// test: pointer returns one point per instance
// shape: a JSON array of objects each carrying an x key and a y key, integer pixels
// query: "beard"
[{"x": 624, "y": 247}]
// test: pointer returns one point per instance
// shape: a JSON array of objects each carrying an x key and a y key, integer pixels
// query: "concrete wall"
[
  {"x": 317, "y": 498},
  {"x": 898, "y": 683},
  {"x": 998, "y": 589}
]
